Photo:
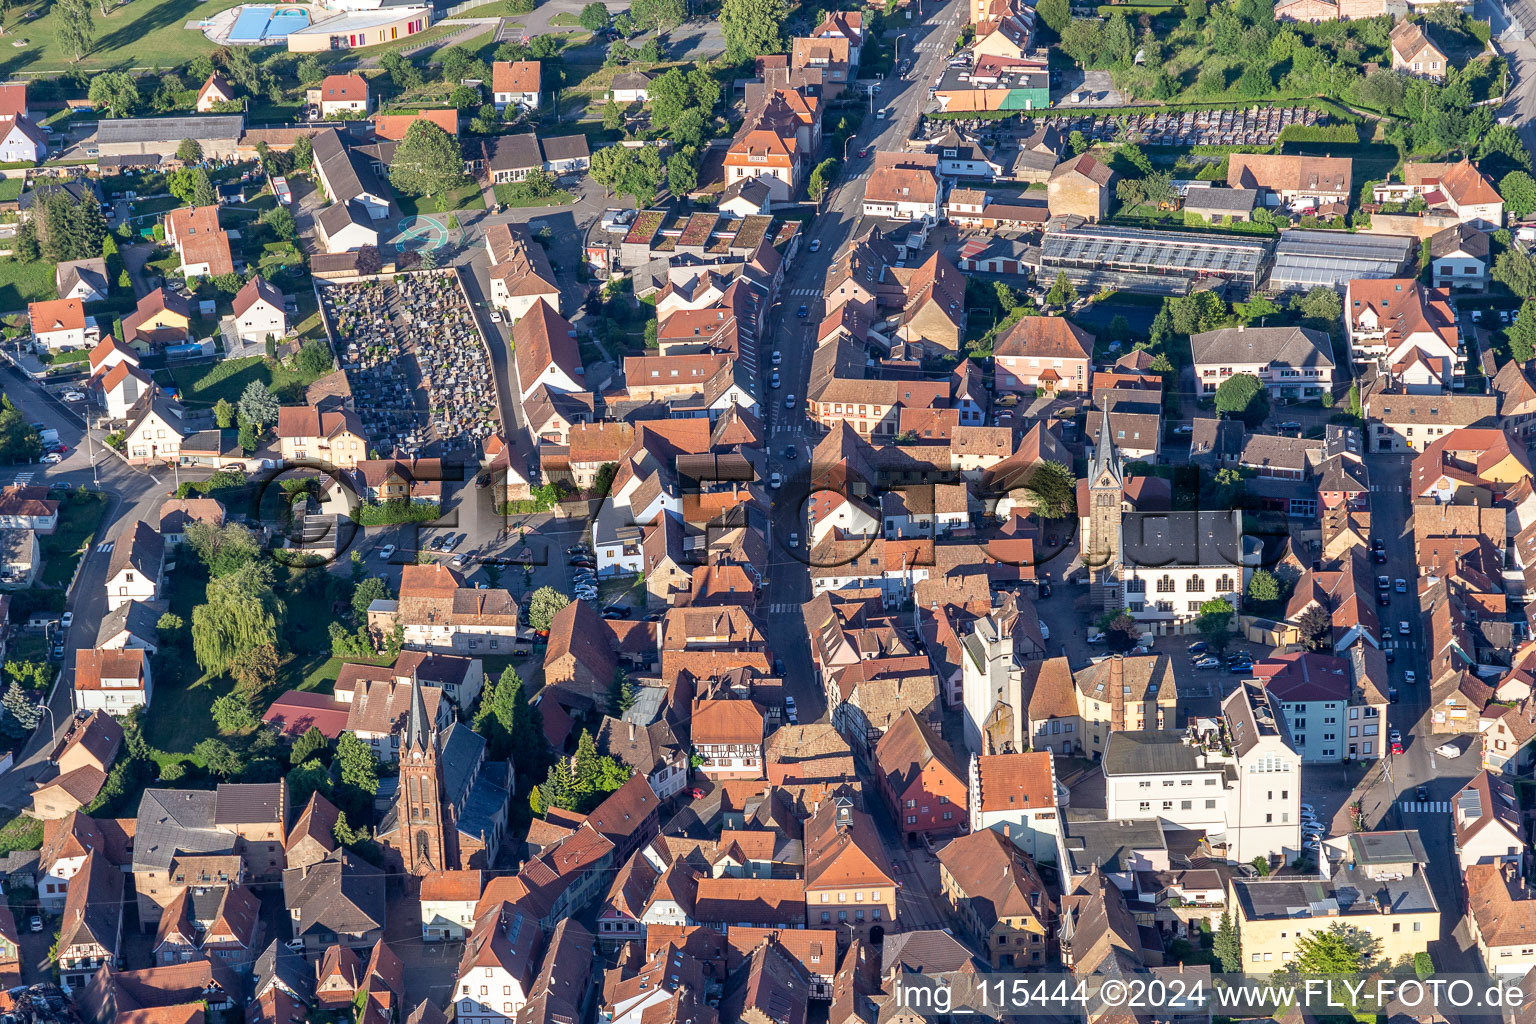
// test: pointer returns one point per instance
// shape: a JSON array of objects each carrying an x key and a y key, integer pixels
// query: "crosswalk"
[
  {"x": 105, "y": 547},
  {"x": 783, "y": 607},
  {"x": 804, "y": 293},
  {"x": 1424, "y": 806},
  {"x": 23, "y": 479}
]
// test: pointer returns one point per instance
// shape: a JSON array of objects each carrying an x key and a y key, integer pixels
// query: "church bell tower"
[{"x": 1106, "y": 493}]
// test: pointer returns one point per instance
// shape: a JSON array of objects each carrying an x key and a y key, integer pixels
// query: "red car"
[
  {"x": 863, "y": 153},
  {"x": 698, "y": 794},
  {"x": 1397, "y": 747}
]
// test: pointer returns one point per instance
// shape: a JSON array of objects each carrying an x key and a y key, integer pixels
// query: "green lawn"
[
  {"x": 144, "y": 34},
  {"x": 466, "y": 198},
  {"x": 21, "y": 833},
  {"x": 79, "y": 518},
  {"x": 204, "y": 385},
  {"x": 565, "y": 19},
  {"x": 21, "y": 283},
  {"x": 504, "y": 196},
  {"x": 10, "y": 189},
  {"x": 188, "y": 691}
]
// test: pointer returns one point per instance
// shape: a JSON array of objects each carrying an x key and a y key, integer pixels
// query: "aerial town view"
[{"x": 714, "y": 511}]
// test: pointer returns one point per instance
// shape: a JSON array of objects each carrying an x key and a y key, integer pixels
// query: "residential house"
[
  {"x": 176, "y": 514},
  {"x": 520, "y": 271},
  {"x": 340, "y": 96},
  {"x": 85, "y": 280},
  {"x": 448, "y": 900},
  {"x": 921, "y": 779},
  {"x": 92, "y": 922},
  {"x": 199, "y": 241},
  {"x": 630, "y": 87},
  {"x": 58, "y": 324},
  {"x": 203, "y": 838},
  {"x": 1332, "y": 712},
  {"x": 1296, "y": 180},
  {"x": 21, "y": 557},
  {"x": 439, "y": 612},
  {"x": 545, "y": 352},
  {"x": 903, "y": 186},
  {"x": 339, "y": 899},
  {"x": 331, "y": 437},
  {"x": 1459, "y": 258},
  {"x": 136, "y": 567},
  {"x": 849, "y": 885},
  {"x": 161, "y": 318},
  {"x": 1081, "y": 187},
  {"x": 1501, "y": 911},
  {"x": 215, "y": 90},
  {"x": 1415, "y": 50},
  {"x": 1043, "y": 352},
  {"x": 1000, "y": 897},
  {"x": 515, "y": 83},
  {"x": 1487, "y": 823},
  {"x": 1015, "y": 795},
  {"x": 259, "y": 313},
  {"x": 1401, "y": 422},
  {"x": 22, "y": 141},
  {"x": 728, "y": 735}
]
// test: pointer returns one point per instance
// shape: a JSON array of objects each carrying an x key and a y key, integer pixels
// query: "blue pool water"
[{"x": 267, "y": 24}]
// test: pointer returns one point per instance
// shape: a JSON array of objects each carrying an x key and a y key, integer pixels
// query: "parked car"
[
  {"x": 773, "y": 382},
  {"x": 1403, "y": 628},
  {"x": 1383, "y": 598},
  {"x": 437, "y": 542},
  {"x": 1410, "y": 677},
  {"x": 696, "y": 793},
  {"x": 1390, "y": 655},
  {"x": 1380, "y": 557},
  {"x": 1391, "y": 695},
  {"x": 36, "y": 924},
  {"x": 387, "y": 552},
  {"x": 67, "y": 620},
  {"x": 1309, "y": 810},
  {"x": 777, "y": 358},
  {"x": 1096, "y": 638},
  {"x": 1395, "y": 736},
  {"x": 1207, "y": 663},
  {"x": 791, "y": 452},
  {"x": 52, "y": 459},
  {"x": 789, "y": 402},
  {"x": 1397, "y": 747},
  {"x": 1383, "y": 583},
  {"x": 73, "y": 396},
  {"x": 1199, "y": 647},
  {"x": 775, "y": 480},
  {"x": 815, "y": 244},
  {"x": 1400, "y": 585},
  {"x": 1045, "y": 591},
  {"x": 1240, "y": 668},
  {"x": 794, "y": 540}
]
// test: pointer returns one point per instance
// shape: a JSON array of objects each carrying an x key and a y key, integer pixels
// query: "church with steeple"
[
  {"x": 450, "y": 804},
  {"x": 1106, "y": 497}
]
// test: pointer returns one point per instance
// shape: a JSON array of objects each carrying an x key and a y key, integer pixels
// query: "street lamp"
[{"x": 53, "y": 728}]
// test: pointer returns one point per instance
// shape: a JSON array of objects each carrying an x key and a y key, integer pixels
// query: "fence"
[{"x": 467, "y": 5}]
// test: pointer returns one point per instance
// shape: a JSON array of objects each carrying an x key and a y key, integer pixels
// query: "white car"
[
  {"x": 885, "y": 112},
  {"x": 777, "y": 357},
  {"x": 52, "y": 459},
  {"x": 387, "y": 552},
  {"x": 495, "y": 316},
  {"x": 67, "y": 620},
  {"x": 789, "y": 403},
  {"x": 1096, "y": 638},
  {"x": 73, "y": 396},
  {"x": 1410, "y": 676},
  {"x": 776, "y": 480}
]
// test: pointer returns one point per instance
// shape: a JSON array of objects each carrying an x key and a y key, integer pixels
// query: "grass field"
[
  {"x": 203, "y": 385},
  {"x": 79, "y": 518},
  {"x": 10, "y": 188},
  {"x": 466, "y": 198},
  {"x": 143, "y": 34},
  {"x": 21, "y": 283}
]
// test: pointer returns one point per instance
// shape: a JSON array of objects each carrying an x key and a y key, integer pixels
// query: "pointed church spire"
[
  {"x": 1105, "y": 459},
  {"x": 418, "y": 730}
]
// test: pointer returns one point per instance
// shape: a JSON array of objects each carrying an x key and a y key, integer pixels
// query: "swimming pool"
[{"x": 263, "y": 24}]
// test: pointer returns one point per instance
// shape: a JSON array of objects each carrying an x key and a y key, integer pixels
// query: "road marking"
[
  {"x": 1425, "y": 806},
  {"x": 105, "y": 547}
]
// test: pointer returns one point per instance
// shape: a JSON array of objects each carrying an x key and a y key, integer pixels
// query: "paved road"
[{"x": 794, "y": 338}]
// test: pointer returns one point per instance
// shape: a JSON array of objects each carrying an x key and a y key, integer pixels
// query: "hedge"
[
  {"x": 401, "y": 510},
  {"x": 1343, "y": 134}
]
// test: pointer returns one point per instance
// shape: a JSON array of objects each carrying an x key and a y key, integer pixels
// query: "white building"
[
  {"x": 21, "y": 141},
  {"x": 1397, "y": 322},
  {"x": 515, "y": 83},
  {"x": 157, "y": 433},
  {"x": 1292, "y": 362},
  {"x": 1017, "y": 795},
  {"x": 1172, "y": 563},
  {"x": 1459, "y": 258},
  {"x": 1245, "y": 791},
  {"x": 137, "y": 566},
  {"x": 1331, "y": 711},
  {"x": 498, "y": 966},
  {"x": 112, "y": 681},
  {"x": 58, "y": 324},
  {"x": 259, "y": 315},
  {"x": 1487, "y": 823},
  {"x": 448, "y": 901}
]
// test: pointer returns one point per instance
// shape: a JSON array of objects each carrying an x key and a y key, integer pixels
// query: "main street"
[{"x": 927, "y": 42}]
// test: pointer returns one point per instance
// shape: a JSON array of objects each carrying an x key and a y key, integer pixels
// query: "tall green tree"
[
  {"x": 1227, "y": 945},
  {"x": 357, "y": 765},
  {"x": 558, "y": 788},
  {"x": 19, "y": 441},
  {"x": 1263, "y": 586},
  {"x": 1522, "y": 333},
  {"x": 1052, "y": 490},
  {"x": 1244, "y": 396},
  {"x": 1062, "y": 293},
  {"x": 308, "y": 745},
  {"x": 752, "y": 27},
  {"x": 190, "y": 151},
  {"x": 218, "y": 757},
  {"x": 1519, "y": 191},
  {"x": 544, "y": 605},
  {"x": 223, "y": 548},
  {"x": 1340, "y": 949},
  {"x": 116, "y": 92},
  {"x": 75, "y": 28},
  {"x": 232, "y": 715},
  {"x": 594, "y": 16},
  {"x": 258, "y": 405},
  {"x": 682, "y": 174},
  {"x": 427, "y": 162},
  {"x": 241, "y": 613}
]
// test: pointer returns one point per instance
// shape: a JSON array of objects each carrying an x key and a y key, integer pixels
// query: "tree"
[
  {"x": 223, "y": 548},
  {"x": 664, "y": 14},
  {"x": 224, "y": 413},
  {"x": 19, "y": 441},
  {"x": 1227, "y": 945},
  {"x": 751, "y": 27},
  {"x": 281, "y": 221},
  {"x": 1052, "y": 488},
  {"x": 21, "y": 707},
  {"x": 314, "y": 358},
  {"x": 25, "y": 248},
  {"x": 594, "y": 17},
  {"x": 1522, "y": 333},
  {"x": 304, "y": 150},
  {"x": 255, "y": 671},
  {"x": 168, "y": 628},
  {"x": 1056, "y": 14},
  {"x": 75, "y": 27},
  {"x": 359, "y": 769},
  {"x": 1316, "y": 629},
  {"x": 1121, "y": 632},
  {"x": 1519, "y": 191},
  {"x": 1341, "y": 949},
  {"x": 1262, "y": 586},
  {"x": 1214, "y": 621},
  {"x": 1244, "y": 396},
  {"x": 1256, "y": 308},
  {"x": 116, "y": 92},
  {"x": 308, "y": 745},
  {"x": 427, "y": 162},
  {"x": 1321, "y": 304},
  {"x": 613, "y": 116},
  {"x": 622, "y": 694},
  {"x": 506, "y": 721},
  {"x": 232, "y": 714},
  {"x": 241, "y": 613},
  {"x": 1078, "y": 142},
  {"x": 368, "y": 590},
  {"x": 669, "y": 96},
  {"x": 190, "y": 151},
  {"x": 346, "y": 835},
  {"x": 544, "y": 605},
  {"x": 202, "y": 193},
  {"x": 1515, "y": 271},
  {"x": 558, "y": 790},
  {"x": 306, "y": 779},
  {"x": 258, "y": 405},
  {"x": 682, "y": 174},
  {"x": 1062, "y": 293},
  {"x": 218, "y": 757},
  {"x": 309, "y": 70}
]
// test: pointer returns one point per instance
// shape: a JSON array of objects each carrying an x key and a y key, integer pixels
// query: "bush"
[
  {"x": 1342, "y": 134},
  {"x": 401, "y": 510}
]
